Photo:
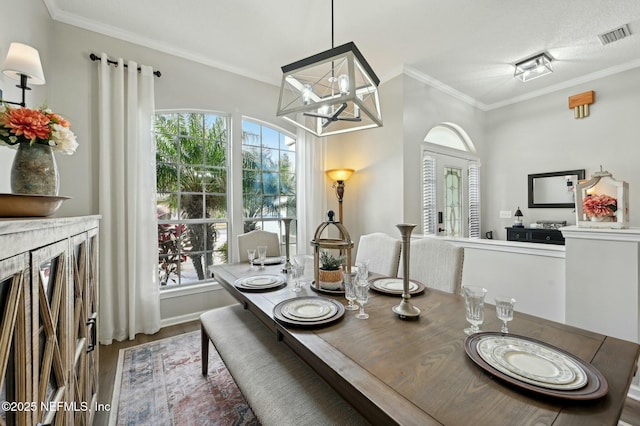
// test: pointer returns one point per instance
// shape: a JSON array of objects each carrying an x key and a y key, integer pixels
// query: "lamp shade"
[
  {"x": 339, "y": 174},
  {"x": 23, "y": 60},
  {"x": 329, "y": 93}
]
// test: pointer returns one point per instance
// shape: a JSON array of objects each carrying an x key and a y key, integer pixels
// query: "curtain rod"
[{"x": 95, "y": 57}]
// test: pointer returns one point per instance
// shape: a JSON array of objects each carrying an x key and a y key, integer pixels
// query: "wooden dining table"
[{"x": 416, "y": 372}]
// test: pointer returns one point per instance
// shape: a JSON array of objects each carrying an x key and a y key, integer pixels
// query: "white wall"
[{"x": 540, "y": 135}]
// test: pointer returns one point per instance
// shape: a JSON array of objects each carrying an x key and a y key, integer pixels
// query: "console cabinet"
[
  {"x": 535, "y": 235},
  {"x": 48, "y": 320}
]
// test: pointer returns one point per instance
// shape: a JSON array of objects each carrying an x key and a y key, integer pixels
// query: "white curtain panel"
[
  {"x": 129, "y": 293},
  {"x": 311, "y": 181}
]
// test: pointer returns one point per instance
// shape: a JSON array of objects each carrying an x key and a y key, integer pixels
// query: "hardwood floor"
[{"x": 109, "y": 362}]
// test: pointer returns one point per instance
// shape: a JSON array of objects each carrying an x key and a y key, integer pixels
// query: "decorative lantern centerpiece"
[
  {"x": 330, "y": 252},
  {"x": 602, "y": 202}
]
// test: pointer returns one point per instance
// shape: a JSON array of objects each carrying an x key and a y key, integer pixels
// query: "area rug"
[{"x": 160, "y": 383}]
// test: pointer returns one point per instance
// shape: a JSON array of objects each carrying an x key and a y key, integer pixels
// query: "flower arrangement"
[
  {"x": 36, "y": 126},
  {"x": 599, "y": 205}
]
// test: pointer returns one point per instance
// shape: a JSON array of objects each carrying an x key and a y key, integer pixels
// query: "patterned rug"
[{"x": 160, "y": 383}]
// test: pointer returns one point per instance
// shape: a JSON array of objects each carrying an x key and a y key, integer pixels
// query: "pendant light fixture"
[{"x": 332, "y": 92}]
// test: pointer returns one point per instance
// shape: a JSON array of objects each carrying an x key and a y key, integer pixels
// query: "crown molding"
[
  {"x": 108, "y": 30},
  {"x": 437, "y": 84}
]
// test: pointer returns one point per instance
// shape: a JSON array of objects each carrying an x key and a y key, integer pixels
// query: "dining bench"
[{"x": 280, "y": 388}]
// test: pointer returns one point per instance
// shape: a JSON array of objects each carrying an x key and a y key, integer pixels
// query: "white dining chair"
[
  {"x": 436, "y": 264},
  {"x": 255, "y": 238},
  {"x": 382, "y": 251}
]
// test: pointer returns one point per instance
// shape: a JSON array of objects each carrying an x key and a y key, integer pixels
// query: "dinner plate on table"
[
  {"x": 308, "y": 311},
  {"x": 536, "y": 366},
  {"x": 263, "y": 282},
  {"x": 269, "y": 261},
  {"x": 394, "y": 286}
]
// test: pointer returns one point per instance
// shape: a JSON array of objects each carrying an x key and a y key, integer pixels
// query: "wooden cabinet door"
[
  {"x": 50, "y": 354},
  {"x": 15, "y": 383}
]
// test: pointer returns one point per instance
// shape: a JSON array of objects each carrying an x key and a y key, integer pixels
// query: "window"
[
  {"x": 450, "y": 183},
  {"x": 191, "y": 173},
  {"x": 268, "y": 179}
]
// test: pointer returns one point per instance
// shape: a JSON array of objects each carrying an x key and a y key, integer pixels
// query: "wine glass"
[
  {"x": 262, "y": 255},
  {"x": 504, "y": 311},
  {"x": 474, "y": 304},
  {"x": 362, "y": 296},
  {"x": 362, "y": 270},
  {"x": 251, "y": 253},
  {"x": 350, "y": 290}
]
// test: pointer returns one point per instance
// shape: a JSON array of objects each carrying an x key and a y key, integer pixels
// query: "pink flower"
[{"x": 599, "y": 205}]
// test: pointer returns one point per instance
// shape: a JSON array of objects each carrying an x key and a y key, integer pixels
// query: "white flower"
[{"x": 63, "y": 139}]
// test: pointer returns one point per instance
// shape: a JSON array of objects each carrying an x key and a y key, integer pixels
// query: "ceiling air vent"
[{"x": 615, "y": 35}]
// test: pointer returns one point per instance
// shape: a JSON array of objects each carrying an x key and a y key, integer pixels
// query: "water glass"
[
  {"x": 251, "y": 254},
  {"x": 350, "y": 290},
  {"x": 262, "y": 255},
  {"x": 504, "y": 311},
  {"x": 294, "y": 279},
  {"x": 362, "y": 296},
  {"x": 362, "y": 270},
  {"x": 474, "y": 304}
]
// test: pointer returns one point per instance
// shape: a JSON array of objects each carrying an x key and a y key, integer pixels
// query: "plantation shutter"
[
  {"x": 430, "y": 220},
  {"x": 474, "y": 200}
]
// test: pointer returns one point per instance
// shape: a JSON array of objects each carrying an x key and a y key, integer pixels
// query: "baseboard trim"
[
  {"x": 634, "y": 392},
  {"x": 192, "y": 316}
]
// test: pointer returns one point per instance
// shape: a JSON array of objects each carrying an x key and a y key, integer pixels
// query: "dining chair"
[
  {"x": 382, "y": 251},
  {"x": 436, "y": 264},
  {"x": 255, "y": 238}
]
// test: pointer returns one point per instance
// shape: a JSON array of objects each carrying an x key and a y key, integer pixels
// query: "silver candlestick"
[
  {"x": 287, "y": 264},
  {"x": 405, "y": 309}
]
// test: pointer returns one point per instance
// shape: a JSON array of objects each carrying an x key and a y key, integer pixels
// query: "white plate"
[
  {"x": 393, "y": 284},
  {"x": 262, "y": 281},
  {"x": 268, "y": 261},
  {"x": 532, "y": 363},
  {"x": 309, "y": 309}
]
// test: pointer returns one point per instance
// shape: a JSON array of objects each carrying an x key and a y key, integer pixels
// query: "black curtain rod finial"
[{"x": 95, "y": 57}]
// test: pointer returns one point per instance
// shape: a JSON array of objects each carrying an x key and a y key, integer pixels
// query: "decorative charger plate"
[
  {"x": 393, "y": 286},
  {"x": 269, "y": 261},
  {"x": 531, "y": 362},
  {"x": 596, "y": 385},
  {"x": 336, "y": 292},
  {"x": 263, "y": 282},
  {"x": 28, "y": 205},
  {"x": 308, "y": 311}
]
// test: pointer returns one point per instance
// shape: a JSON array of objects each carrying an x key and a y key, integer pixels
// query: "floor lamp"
[{"x": 339, "y": 176}]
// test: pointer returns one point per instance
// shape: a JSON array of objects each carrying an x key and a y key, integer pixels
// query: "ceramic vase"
[{"x": 34, "y": 170}]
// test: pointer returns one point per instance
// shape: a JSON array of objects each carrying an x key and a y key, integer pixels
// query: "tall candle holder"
[
  {"x": 405, "y": 309},
  {"x": 287, "y": 264}
]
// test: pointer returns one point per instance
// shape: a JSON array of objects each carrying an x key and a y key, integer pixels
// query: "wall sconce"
[
  {"x": 339, "y": 176},
  {"x": 534, "y": 67},
  {"x": 580, "y": 103},
  {"x": 23, "y": 64}
]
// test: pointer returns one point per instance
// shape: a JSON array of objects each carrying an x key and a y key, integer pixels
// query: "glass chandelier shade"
[
  {"x": 332, "y": 92},
  {"x": 533, "y": 68}
]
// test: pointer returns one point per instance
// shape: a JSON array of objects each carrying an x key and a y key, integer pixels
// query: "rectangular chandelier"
[
  {"x": 534, "y": 67},
  {"x": 332, "y": 92}
]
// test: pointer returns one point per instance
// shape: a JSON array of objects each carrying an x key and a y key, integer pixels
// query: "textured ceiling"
[{"x": 467, "y": 47}]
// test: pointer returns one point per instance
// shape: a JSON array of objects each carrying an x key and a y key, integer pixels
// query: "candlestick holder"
[
  {"x": 287, "y": 263},
  {"x": 406, "y": 310}
]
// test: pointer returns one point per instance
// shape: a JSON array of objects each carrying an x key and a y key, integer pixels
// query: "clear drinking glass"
[
  {"x": 474, "y": 303},
  {"x": 362, "y": 270},
  {"x": 350, "y": 290},
  {"x": 504, "y": 311},
  {"x": 262, "y": 255},
  {"x": 362, "y": 296},
  {"x": 251, "y": 254},
  {"x": 294, "y": 278}
]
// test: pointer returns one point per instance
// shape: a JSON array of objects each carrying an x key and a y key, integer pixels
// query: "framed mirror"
[{"x": 554, "y": 190}]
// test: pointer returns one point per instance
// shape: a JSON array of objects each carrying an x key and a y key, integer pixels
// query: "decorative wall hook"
[{"x": 580, "y": 103}]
